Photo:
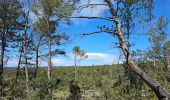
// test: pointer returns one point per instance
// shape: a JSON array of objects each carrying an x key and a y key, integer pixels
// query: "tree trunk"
[
  {"x": 49, "y": 64},
  {"x": 75, "y": 59},
  {"x": 37, "y": 56},
  {"x": 25, "y": 61},
  {"x": 3, "y": 45},
  {"x": 25, "y": 49},
  {"x": 17, "y": 73},
  {"x": 160, "y": 92},
  {"x": 19, "y": 62},
  {"x": 75, "y": 67},
  {"x": 49, "y": 58}
]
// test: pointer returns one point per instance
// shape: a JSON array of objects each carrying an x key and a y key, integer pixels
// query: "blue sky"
[{"x": 99, "y": 47}]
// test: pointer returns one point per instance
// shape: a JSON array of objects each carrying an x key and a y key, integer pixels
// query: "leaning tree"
[{"x": 115, "y": 11}]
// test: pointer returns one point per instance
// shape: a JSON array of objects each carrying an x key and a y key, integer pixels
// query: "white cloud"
[
  {"x": 102, "y": 57},
  {"x": 12, "y": 62},
  {"x": 57, "y": 61},
  {"x": 94, "y": 58},
  {"x": 61, "y": 62},
  {"x": 98, "y": 58}
]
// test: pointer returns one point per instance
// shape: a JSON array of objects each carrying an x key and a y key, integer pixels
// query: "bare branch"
[
  {"x": 89, "y": 5},
  {"x": 106, "y": 31},
  {"x": 87, "y": 17},
  {"x": 84, "y": 17}
]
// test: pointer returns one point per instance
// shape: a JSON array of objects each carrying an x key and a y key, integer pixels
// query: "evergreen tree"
[
  {"x": 10, "y": 10},
  {"x": 49, "y": 17}
]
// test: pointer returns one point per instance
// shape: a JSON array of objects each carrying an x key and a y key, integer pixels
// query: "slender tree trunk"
[
  {"x": 166, "y": 62},
  {"x": 18, "y": 67},
  {"x": 25, "y": 47},
  {"x": 151, "y": 32},
  {"x": 75, "y": 59},
  {"x": 160, "y": 92},
  {"x": 49, "y": 58},
  {"x": 49, "y": 64},
  {"x": 37, "y": 61},
  {"x": 154, "y": 66},
  {"x": 3, "y": 44},
  {"x": 75, "y": 67},
  {"x": 25, "y": 62},
  {"x": 128, "y": 45},
  {"x": 17, "y": 73}
]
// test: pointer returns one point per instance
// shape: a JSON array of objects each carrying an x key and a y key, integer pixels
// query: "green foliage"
[
  {"x": 44, "y": 26},
  {"x": 131, "y": 2},
  {"x": 76, "y": 49},
  {"x": 74, "y": 91},
  {"x": 110, "y": 82},
  {"x": 50, "y": 5},
  {"x": 48, "y": 9},
  {"x": 159, "y": 42},
  {"x": 117, "y": 87},
  {"x": 9, "y": 12},
  {"x": 79, "y": 54}
]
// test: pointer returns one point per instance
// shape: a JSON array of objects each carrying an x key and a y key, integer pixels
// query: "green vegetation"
[
  {"x": 95, "y": 83},
  {"x": 30, "y": 33}
]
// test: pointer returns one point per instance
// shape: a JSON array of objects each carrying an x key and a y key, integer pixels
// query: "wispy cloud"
[
  {"x": 98, "y": 58},
  {"x": 103, "y": 57},
  {"x": 62, "y": 62},
  {"x": 94, "y": 58}
]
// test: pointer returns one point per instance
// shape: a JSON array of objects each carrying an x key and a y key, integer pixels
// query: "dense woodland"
[{"x": 138, "y": 74}]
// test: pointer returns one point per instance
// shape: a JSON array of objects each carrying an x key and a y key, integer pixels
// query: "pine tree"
[
  {"x": 45, "y": 10},
  {"x": 9, "y": 12}
]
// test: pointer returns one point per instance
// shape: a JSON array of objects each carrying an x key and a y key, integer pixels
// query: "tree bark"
[
  {"x": 49, "y": 58},
  {"x": 3, "y": 45},
  {"x": 49, "y": 64},
  {"x": 19, "y": 62},
  {"x": 25, "y": 52},
  {"x": 25, "y": 62},
  {"x": 37, "y": 61},
  {"x": 17, "y": 73},
  {"x": 159, "y": 91}
]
